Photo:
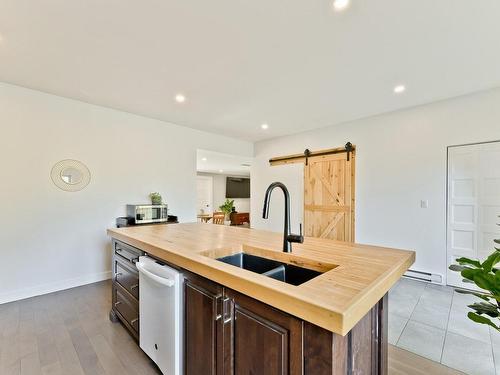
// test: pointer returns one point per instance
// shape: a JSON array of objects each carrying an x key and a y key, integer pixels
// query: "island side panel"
[
  {"x": 381, "y": 316},
  {"x": 324, "y": 352},
  {"x": 362, "y": 351}
]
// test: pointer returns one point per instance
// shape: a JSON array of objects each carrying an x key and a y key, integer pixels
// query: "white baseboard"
[
  {"x": 424, "y": 276},
  {"x": 17, "y": 295}
]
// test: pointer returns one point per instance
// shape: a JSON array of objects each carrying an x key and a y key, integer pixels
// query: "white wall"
[
  {"x": 219, "y": 192},
  {"x": 51, "y": 239},
  {"x": 401, "y": 159}
]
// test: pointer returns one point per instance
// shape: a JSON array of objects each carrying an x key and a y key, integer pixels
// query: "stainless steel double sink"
[{"x": 284, "y": 272}]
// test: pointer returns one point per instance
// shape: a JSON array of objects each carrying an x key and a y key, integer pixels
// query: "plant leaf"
[
  {"x": 469, "y": 273},
  {"x": 472, "y": 262},
  {"x": 482, "y": 319},
  {"x": 492, "y": 260},
  {"x": 457, "y": 268},
  {"x": 485, "y": 297},
  {"x": 486, "y": 308},
  {"x": 487, "y": 281}
]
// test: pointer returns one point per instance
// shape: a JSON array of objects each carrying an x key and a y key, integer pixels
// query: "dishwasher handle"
[{"x": 152, "y": 276}]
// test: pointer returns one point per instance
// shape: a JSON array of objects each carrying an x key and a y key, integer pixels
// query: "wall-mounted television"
[{"x": 237, "y": 187}]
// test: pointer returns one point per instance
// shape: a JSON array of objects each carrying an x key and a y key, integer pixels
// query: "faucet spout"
[{"x": 288, "y": 237}]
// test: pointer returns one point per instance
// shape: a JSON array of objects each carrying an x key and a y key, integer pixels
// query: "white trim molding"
[{"x": 20, "y": 294}]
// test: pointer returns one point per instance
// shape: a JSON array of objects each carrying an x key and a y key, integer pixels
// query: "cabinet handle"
[
  {"x": 119, "y": 274},
  {"x": 135, "y": 260},
  {"x": 227, "y": 310},
  {"x": 133, "y": 321},
  {"x": 134, "y": 286},
  {"x": 223, "y": 309},
  {"x": 118, "y": 303},
  {"x": 218, "y": 308},
  {"x": 118, "y": 250}
]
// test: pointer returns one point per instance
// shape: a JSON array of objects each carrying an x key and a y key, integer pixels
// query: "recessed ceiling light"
[
  {"x": 179, "y": 98},
  {"x": 340, "y": 4},
  {"x": 221, "y": 170},
  {"x": 264, "y": 126},
  {"x": 203, "y": 159},
  {"x": 399, "y": 89}
]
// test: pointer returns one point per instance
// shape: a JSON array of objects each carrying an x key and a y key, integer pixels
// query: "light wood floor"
[
  {"x": 69, "y": 332},
  {"x": 404, "y": 362}
]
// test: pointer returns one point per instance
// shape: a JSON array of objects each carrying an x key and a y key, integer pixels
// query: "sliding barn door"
[{"x": 329, "y": 197}]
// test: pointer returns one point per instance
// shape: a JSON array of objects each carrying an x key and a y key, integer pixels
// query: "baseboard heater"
[{"x": 424, "y": 276}]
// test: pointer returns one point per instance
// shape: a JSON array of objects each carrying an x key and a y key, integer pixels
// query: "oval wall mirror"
[{"x": 70, "y": 175}]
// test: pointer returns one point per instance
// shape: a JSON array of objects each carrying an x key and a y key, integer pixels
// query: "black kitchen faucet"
[{"x": 288, "y": 237}]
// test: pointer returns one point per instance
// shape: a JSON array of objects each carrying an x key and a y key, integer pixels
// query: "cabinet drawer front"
[
  {"x": 127, "y": 278},
  {"x": 127, "y": 307},
  {"x": 127, "y": 252}
]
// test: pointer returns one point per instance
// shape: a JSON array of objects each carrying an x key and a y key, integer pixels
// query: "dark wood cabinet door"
[
  {"x": 203, "y": 326},
  {"x": 264, "y": 340}
]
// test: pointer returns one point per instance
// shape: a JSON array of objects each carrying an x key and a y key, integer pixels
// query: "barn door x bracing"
[{"x": 329, "y": 196}]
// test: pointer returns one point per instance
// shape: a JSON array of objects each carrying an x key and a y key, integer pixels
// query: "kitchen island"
[{"x": 334, "y": 323}]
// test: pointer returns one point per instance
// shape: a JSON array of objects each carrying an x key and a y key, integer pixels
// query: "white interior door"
[
  {"x": 473, "y": 203},
  {"x": 205, "y": 194}
]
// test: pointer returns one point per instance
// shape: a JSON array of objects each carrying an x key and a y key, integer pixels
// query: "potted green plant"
[
  {"x": 155, "y": 198},
  {"x": 487, "y": 277},
  {"x": 227, "y": 208}
]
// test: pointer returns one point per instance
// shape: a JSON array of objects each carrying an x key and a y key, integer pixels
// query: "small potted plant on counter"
[
  {"x": 227, "y": 208},
  {"x": 155, "y": 198}
]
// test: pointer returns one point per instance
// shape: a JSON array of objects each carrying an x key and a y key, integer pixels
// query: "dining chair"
[{"x": 218, "y": 218}]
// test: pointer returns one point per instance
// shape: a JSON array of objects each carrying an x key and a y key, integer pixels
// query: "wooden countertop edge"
[
  {"x": 382, "y": 285},
  {"x": 302, "y": 307}
]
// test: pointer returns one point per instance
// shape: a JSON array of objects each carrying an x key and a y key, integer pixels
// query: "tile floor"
[{"x": 431, "y": 321}]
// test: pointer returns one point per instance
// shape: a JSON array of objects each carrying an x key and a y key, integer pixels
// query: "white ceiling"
[
  {"x": 219, "y": 163},
  {"x": 293, "y": 64}
]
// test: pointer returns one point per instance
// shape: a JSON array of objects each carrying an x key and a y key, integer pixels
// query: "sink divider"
[{"x": 277, "y": 273}]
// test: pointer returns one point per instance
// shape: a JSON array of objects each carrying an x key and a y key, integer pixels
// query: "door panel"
[
  {"x": 203, "y": 330},
  {"x": 473, "y": 203},
  {"x": 204, "y": 194},
  {"x": 329, "y": 197},
  {"x": 264, "y": 340},
  {"x": 257, "y": 336},
  {"x": 489, "y": 198}
]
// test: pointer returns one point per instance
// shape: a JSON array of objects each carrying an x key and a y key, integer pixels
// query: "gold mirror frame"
[{"x": 57, "y": 175}]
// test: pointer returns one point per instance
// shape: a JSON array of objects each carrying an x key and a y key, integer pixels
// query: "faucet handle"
[
  {"x": 298, "y": 238},
  {"x": 301, "y": 237}
]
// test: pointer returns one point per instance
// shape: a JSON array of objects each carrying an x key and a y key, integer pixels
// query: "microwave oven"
[{"x": 150, "y": 213}]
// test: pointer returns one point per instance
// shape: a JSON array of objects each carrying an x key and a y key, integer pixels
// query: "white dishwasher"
[{"x": 161, "y": 314}]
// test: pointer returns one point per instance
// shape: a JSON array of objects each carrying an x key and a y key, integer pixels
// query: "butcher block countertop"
[{"x": 355, "y": 276}]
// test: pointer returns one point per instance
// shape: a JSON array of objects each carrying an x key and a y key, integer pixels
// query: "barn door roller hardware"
[
  {"x": 307, "y": 153},
  {"x": 349, "y": 148}
]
